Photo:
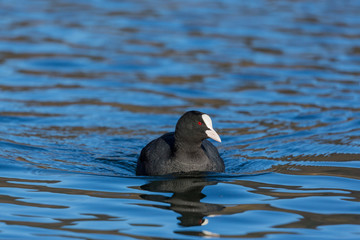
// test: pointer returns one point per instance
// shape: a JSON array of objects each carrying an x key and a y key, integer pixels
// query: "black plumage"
[{"x": 183, "y": 151}]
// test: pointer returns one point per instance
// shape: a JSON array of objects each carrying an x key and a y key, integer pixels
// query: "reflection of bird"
[
  {"x": 186, "y": 198},
  {"x": 185, "y": 150}
]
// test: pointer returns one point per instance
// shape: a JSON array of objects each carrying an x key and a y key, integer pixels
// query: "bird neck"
[{"x": 186, "y": 144}]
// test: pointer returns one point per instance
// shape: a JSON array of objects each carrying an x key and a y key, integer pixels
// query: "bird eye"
[{"x": 199, "y": 123}]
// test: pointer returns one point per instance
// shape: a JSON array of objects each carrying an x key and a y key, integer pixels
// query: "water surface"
[{"x": 84, "y": 85}]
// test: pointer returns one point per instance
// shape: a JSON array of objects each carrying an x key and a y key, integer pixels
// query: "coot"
[{"x": 183, "y": 151}]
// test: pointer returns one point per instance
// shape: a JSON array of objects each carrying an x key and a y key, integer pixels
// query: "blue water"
[{"x": 84, "y": 85}]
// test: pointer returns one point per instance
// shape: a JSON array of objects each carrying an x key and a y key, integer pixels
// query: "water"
[{"x": 84, "y": 85}]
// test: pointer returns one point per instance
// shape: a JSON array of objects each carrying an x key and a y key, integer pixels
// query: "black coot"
[{"x": 183, "y": 151}]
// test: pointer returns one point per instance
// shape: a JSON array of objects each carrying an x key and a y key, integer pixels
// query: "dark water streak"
[{"x": 84, "y": 85}]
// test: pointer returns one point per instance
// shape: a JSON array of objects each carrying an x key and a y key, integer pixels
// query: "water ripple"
[{"x": 85, "y": 85}]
